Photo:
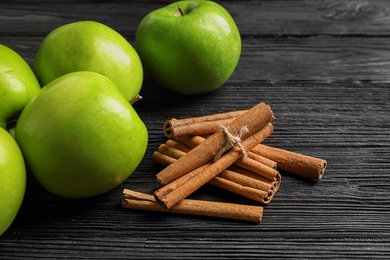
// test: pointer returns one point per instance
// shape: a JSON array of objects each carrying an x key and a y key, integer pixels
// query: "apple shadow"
[
  {"x": 155, "y": 96},
  {"x": 41, "y": 207}
]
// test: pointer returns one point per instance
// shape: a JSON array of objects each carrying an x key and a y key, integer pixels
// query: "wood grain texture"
[
  {"x": 324, "y": 68},
  {"x": 254, "y": 18},
  {"x": 307, "y": 18}
]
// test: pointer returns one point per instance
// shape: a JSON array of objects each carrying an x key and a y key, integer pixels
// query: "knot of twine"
[{"x": 232, "y": 141}]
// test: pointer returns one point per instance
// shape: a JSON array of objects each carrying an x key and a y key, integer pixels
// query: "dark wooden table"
[{"x": 323, "y": 66}]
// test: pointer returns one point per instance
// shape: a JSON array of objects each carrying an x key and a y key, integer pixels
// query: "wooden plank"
[
  {"x": 331, "y": 17},
  {"x": 321, "y": 65},
  {"x": 316, "y": 58},
  {"x": 322, "y": 58},
  {"x": 38, "y": 19}
]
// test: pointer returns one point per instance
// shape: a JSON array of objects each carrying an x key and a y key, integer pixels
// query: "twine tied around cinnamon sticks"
[{"x": 231, "y": 141}]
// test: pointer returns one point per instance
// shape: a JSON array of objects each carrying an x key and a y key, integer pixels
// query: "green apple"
[
  {"x": 18, "y": 84},
  {"x": 190, "y": 47},
  {"x": 89, "y": 46},
  {"x": 12, "y": 179},
  {"x": 80, "y": 136}
]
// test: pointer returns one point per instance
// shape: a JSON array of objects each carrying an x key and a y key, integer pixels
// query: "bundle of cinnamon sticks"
[{"x": 223, "y": 150}]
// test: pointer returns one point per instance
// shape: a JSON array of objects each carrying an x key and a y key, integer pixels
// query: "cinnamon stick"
[
  {"x": 261, "y": 196},
  {"x": 297, "y": 163},
  {"x": 259, "y": 168},
  {"x": 259, "y": 190},
  {"x": 254, "y": 119},
  {"x": 195, "y": 140},
  {"x": 163, "y": 160},
  {"x": 263, "y": 160},
  {"x": 170, "y": 151},
  {"x": 293, "y": 162},
  {"x": 256, "y": 176},
  {"x": 211, "y": 171},
  {"x": 245, "y": 181},
  {"x": 178, "y": 145},
  {"x": 199, "y": 125},
  {"x": 247, "y": 163},
  {"x": 179, "y": 182},
  {"x": 142, "y": 201}
]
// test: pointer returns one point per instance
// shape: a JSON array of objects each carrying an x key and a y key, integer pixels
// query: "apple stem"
[
  {"x": 181, "y": 10},
  {"x": 135, "y": 99}
]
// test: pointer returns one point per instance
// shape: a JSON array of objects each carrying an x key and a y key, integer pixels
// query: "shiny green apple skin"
[
  {"x": 80, "y": 137},
  {"x": 12, "y": 180},
  {"x": 190, "y": 54},
  {"x": 89, "y": 46},
  {"x": 18, "y": 84}
]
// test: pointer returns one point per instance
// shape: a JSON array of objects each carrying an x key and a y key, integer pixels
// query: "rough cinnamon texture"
[
  {"x": 199, "y": 125},
  {"x": 227, "y": 156},
  {"x": 138, "y": 200},
  {"x": 261, "y": 190},
  {"x": 254, "y": 119},
  {"x": 191, "y": 141},
  {"x": 277, "y": 158},
  {"x": 304, "y": 165},
  {"x": 201, "y": 178}
]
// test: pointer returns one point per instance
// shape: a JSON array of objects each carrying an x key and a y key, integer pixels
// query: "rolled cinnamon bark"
[
  {"x": 255, "y": 194},
  {"x": 211, "y": 171},
  {"x": 256, "y": 176},
  {"x": 199, "y": 125},
  {"x": 178, "y": 183},
  {"x": 304, "y": 165},
  {"x": 259, "y": 168},
  {"x": 178, "y": 145},
  {"x": 296, "y": 163},
  {"x": 254, "y": 119},
  {"x": 163, "y": 159},
  {"x": 171, "y": 151},
  {"x": 293, "y": 162},
  {"x": 192, "y": 141},
  {"x": 142, "y": 201},
  {"x": 168, "y": 153},
  {"x": 263, "y": 160},
  {"x": 247, "y": 163},
  {"x": 253, "y": 188}
]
